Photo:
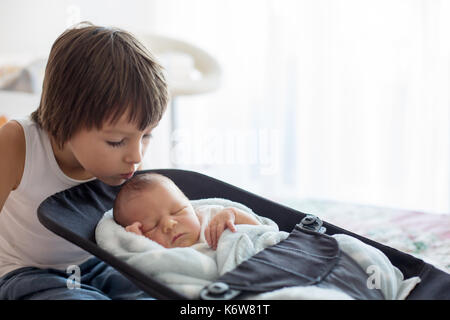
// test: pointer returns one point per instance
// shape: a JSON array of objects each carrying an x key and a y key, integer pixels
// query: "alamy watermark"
[
  {"x": 374, "y": 279},
  {"x": 259, "y": 148},
  {"x": 74, "y": 279}
]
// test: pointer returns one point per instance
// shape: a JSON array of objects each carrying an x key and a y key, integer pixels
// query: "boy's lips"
[{"x": 127, "y": 175}]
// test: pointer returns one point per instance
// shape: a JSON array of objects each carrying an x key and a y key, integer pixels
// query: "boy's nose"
[
  {"x": 134, "y": 155},
  {"x": 168, "y": 226}
]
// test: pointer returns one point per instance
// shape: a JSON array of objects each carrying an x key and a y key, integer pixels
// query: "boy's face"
[
  {"x": 111, "y": 154},
  {"x": 166, "y": 215}
]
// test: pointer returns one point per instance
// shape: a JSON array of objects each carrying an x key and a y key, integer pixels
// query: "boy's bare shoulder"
[
  {"x": 12, "y": 149},
  {"x": 12, "y": 135}
]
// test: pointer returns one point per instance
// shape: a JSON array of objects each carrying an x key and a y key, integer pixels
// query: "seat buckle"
[
  {"x": 218, "y": 291},
  {"x": 311, "y": 223}
]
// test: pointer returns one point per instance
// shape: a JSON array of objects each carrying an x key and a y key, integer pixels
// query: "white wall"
[{"x": 28, "y": 28}]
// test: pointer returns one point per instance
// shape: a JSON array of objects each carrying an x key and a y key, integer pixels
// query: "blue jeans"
[{"x": 97, "y": 281}]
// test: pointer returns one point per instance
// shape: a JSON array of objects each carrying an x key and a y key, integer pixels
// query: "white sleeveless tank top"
[{"x": 24, "y": 241}]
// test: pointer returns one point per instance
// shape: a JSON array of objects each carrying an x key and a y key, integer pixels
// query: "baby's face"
[{"x": 166, "y": 215}]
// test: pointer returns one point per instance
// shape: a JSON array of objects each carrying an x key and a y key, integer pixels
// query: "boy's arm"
[{"x": 12, "y": 159}]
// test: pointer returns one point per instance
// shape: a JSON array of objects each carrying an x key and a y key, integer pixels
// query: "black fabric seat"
[{"x": 74, "y": 213}]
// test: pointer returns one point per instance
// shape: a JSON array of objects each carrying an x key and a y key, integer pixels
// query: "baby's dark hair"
[
  {"x": 133, "y": 186},
  {"x": 95, "y": 75}
]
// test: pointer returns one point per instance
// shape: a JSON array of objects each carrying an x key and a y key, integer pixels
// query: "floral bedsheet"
[{"x": 424, "y": 235}]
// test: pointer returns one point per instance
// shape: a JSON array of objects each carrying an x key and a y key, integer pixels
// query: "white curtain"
[{"x": 334, "y": 99}]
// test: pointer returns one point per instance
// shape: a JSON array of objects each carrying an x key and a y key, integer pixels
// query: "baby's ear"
[{"x": 135, "y": 227}]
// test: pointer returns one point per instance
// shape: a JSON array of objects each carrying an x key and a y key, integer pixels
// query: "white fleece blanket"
[{"x": 188, "y": 270}]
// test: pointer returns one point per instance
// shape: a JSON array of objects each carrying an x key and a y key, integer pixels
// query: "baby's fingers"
[
  {"x": 231, "y": 226},
  {"x": 211, "y": 235},
  {"x": 219, "y": 230},
  {"x": 208, "y": 235},
  {"x": 215, "y": 234}
]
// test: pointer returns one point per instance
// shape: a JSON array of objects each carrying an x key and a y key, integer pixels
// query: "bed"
[{"x": 423, "y": 235}]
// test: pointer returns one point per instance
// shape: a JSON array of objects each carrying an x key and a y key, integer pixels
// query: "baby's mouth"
[{"x": 176, "y": 237}]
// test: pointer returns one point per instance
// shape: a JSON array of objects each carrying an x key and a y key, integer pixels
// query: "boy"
[{"x": 103, "y": 93}]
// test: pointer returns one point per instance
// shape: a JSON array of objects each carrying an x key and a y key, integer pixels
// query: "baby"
[{"x": 152, "y": 205}]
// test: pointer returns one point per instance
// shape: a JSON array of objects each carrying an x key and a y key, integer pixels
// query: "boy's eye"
[
  {"x": 147, "y": 136},
  {"x": 121, "y": 142},
  {"x": 115, "y": 143}
]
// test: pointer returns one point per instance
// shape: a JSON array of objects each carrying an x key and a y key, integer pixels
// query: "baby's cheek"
[
  {"x": 150, "y": 235},
  {"x": 147, "y": 235},
  {"x": 160, "y": 239},
  {"x": 187, "y": 242}
]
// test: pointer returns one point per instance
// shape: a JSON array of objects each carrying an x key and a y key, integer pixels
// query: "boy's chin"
[{"x": 112, "y": 181}]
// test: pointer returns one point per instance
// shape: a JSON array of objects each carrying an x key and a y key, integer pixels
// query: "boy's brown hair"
[{"x": 96, "y": 74}]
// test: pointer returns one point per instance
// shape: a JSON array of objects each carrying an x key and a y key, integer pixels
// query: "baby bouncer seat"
[{"x": 74, "y": 214}]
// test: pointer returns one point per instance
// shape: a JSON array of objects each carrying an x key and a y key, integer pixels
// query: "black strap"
[{"x": 305, "y": 258}]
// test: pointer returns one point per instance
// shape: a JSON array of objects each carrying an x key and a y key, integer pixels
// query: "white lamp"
[{"x": 190, "y": 69}]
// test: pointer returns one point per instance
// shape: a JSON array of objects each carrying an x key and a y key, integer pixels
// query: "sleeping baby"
[
  {"x": 188, "y": 244},
  {"x": 152, "y": 205}
]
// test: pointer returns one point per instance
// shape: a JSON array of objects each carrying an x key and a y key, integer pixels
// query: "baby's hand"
[
  {"x": 135, "y": 227},
  {"x": 224, "y": 219}
]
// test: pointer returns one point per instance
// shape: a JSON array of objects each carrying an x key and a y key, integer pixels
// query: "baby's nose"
[{"x": 169, "y": 225}]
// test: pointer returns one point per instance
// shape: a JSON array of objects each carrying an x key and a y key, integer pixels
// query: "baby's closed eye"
[
  {"x": 151, "y": 228},
  {"x": 180, "y": 211}
]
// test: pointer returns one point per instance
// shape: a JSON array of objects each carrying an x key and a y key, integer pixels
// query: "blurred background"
[{"x": 336, "y": 100}]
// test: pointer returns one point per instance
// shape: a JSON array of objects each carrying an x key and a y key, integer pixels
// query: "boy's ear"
[{"x": 135, "y": 227}]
